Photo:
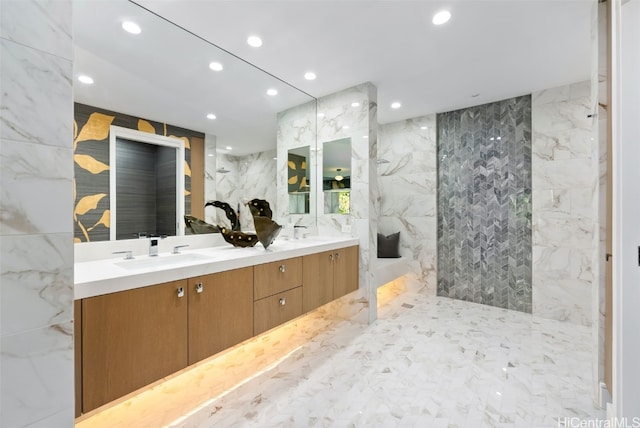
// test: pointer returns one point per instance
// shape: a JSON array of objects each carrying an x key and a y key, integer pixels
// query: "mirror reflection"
[
  {"x": 299, "y": 180},
  {"x": 336, "y": 176},
  {"x": 146, "y": 184},
  {"x": 168, "y": 82}
]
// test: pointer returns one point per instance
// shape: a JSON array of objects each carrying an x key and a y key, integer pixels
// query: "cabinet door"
[
  {"x": 277, "y": 309},
  {"x": 345, "y": 271},
  {"x": 131, "y": 339},
  {"x": 77, "y": 353},
  {"x": 317, "y": 280},
  {"x": 220, "y": 312},
  {"x": 276, "y": 277}
]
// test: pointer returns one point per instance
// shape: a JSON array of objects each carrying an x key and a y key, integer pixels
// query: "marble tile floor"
[{"x": 427, "y": 362}]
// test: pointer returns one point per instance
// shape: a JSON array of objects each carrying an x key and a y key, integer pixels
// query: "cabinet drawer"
[
  {"x": 277, "y": 309},
  {"x": 276, "y": 277}
]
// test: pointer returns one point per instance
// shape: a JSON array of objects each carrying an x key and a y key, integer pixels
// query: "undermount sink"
[{"x": 161, "y": 261}]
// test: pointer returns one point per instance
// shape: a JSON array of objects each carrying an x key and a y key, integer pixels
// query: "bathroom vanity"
[{"x": 140, "y": 320}]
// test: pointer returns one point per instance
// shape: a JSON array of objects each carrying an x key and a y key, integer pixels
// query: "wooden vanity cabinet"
[
  {"x": 277, "y": 293},
  {"x": 329, "y": 275},
  {"x": 220, "y": 312},
  {"x": 345, "y": 271},
  {"x": 131, "y": 339},
  {"x": 127, "y": 340}
]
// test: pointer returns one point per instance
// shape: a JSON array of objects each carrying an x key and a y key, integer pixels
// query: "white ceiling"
[{"x": 497, "y": 48}]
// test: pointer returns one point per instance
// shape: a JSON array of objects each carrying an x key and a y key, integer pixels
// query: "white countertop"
[{"x": 94, "y": 278}]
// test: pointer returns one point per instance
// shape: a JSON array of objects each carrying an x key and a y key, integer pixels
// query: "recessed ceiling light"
[
  {"x": 85, "y": 79},
  {"x": 365, "y": 136},
  {"x": 345, "y": 127},
  {"x": 210, "y": 154},
  {"x": 272, "y": 92},
  {"x": 211, "y": 116},
  {"x": 229, "y": 148},
  {"x": 355, "y": 104},
  {"x": 320, "y": 114},
  {"x": 441, "y": 17},
  {"x": 396, "y": 104},
  {"x": 310, "y": 75},
  {"x": 423, "y": 127},
  {"x": 254, "y": 41},
  {"x": 215, "y": 66},
  {"x": 131, "y": 27}
]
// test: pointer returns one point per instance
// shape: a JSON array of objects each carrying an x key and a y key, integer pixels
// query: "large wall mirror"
[
  {"x": 336, "y": 176},
  {"x": 165, "y": 81}
]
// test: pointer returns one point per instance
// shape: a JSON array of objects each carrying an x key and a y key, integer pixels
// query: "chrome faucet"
[
  {"x": 153, "y": 245},
  {"x": 296, "y": 232}
]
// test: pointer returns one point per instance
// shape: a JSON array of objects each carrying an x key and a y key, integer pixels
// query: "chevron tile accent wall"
[{"x": 484, "y": 204}]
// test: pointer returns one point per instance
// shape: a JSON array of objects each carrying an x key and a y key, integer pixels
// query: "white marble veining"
[
  {"x": 427, "y": 362},
  {"x": 296, "y": 128},
  {"x": 599, "y": 99},
  {"x": 563, "y": 214},
  {"x": 339, "y": 118},
  {"x": 35, "y": 178},
  {"x": 50, "y": 28},
  {"x": 210, "y": 145},
  {"x": 249, "y": 177},
  {"x": 36, "y": 201},
  {"x": 47, "y": 121},
  {"x": 37, "y": 282},
  {"x": 408, "y": 186}
]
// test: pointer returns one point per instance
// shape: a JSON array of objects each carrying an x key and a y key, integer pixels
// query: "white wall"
[
  {"x": 408, "y": 194},
  {"x": 562, "y": 180},
  {"x": 251, "y": 176},
  {"x": 626, "y": 207},
  {"x": 36, "y": 200}
]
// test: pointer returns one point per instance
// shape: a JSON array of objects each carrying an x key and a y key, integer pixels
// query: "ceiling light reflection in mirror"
[{"x": 164, "y": 73}]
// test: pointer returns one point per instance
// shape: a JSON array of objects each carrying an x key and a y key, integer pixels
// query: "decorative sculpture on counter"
[
  {"x": 197, "y": 226},
  {"x": 229, "y": 212},
  {"x": 238, "y": 239},
  {"x": 266, "y": 228},
  {"x": 260, "y": 207}
]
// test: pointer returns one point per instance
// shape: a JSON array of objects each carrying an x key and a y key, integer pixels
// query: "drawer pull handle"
[
  {"x": 337, "y": 256},
  {"x": 282, "y": 301},
  {"x": 180, "y": 292},
  {"x": 331, "y": 257},
  {"x": 282, "y": 268},
  {"x": 199, "y": 287}
]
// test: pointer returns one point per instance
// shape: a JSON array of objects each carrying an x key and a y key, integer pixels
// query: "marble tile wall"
[
  {"x": 251, "y": 176},
  {"x": 339, "y": 117},
  {"x": 210, "y": 144},
  {"x": 408, "y": 193},
  {"x": 334, "y": 117},
  {"x": 296, "y": 128},
  {"x": 484, "y": 204},
  {"x": 36, "y": 204},
  {"x": 562, "y": 203},
  {"x": 599, "y": 98}
]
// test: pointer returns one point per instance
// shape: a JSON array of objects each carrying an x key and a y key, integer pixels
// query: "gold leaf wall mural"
[
  {"x": 90, "y": 164},
  {"x": 145, "y": 126},
  {"x": 96, "y": 128},
  {"x": 88, "y": 203},
  {"x": 104, "y": 220},
  {"x": 91, "y": 183}
]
